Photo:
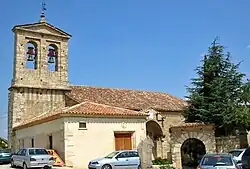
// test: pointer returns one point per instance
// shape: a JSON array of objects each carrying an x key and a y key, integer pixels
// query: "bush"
[{"x": 160, "y": 161}]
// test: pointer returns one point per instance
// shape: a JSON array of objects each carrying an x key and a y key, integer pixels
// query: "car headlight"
[{"x": 94, "y": 163}]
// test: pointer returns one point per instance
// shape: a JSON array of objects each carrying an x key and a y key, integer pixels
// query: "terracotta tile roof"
[
  {"x": 128, "y": 99},
  {"x": 84, "y": 109}
]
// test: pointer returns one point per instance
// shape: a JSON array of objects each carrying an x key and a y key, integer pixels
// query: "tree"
[{"x": 217, "y": 93}]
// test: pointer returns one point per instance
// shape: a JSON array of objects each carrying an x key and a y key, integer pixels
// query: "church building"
[{"x": 85, "y": 122}]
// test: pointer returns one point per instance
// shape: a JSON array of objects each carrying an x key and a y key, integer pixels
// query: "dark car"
[
  {"x": 5, "y": 155},
  {"x": 245, "y": 159}
]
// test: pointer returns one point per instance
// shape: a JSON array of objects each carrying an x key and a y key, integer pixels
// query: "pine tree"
[{"x": 216, "y": 93}]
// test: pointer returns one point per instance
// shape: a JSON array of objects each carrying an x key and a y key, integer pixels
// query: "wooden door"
[{"x": 123, "y": 141}]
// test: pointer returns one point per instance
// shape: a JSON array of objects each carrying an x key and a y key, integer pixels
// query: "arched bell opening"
[
  {"x": 52, "y": 57},
  {"x": 192, "y": 150},
  {"x": 31, "y": 55},
  {"x": 154, "y": 130}
]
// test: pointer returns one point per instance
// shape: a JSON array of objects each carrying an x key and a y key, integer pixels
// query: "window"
[
  {"x": 52, "y": 58},
  {"x": 82, "y": 125},
  {"x": 111, "y": 155},
  {"x": 31, "y": 55},
  {"x": 217, "y": 161},
  {"x": 23, "y": 153},
  {"x": 247, "y": 152},
  {"x": 32, "y": 142},
  {"x": 50, "y": 142},
  {"x": 19, "y": 152},
  {"x": 37, "y": 152},
  {"x": 123, "y": 155},
  {"x": 133, "y": 154},
  {"x": 236, "y": 153}
]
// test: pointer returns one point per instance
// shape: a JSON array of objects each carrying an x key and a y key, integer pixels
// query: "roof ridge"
[{"x": 126, "y": 89}]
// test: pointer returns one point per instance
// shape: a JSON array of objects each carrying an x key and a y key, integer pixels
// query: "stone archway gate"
[{"x": 180, "y": 133}]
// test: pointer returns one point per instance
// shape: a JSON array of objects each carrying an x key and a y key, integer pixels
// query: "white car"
[
  {"x": 237, "y": 154},
  {"x": 123, "y": 159},
  {"x": 32, "y": 158}
]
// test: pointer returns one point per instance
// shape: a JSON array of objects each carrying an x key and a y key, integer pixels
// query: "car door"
[
  {"x": 122, "y": 160},
  {"x": 23, "y": 157},
  {"x": 16, "y": 158},
  {"x": 133, "y": 160},
  {"x": 246, "y": 158}
]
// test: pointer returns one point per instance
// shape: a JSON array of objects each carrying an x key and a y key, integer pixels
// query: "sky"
[{"x": 134, "y": 44}]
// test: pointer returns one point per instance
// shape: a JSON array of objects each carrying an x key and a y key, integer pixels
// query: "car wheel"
[
  {"x": 25, "y": 166},
  {"x": 12, "y": 164},
  {"x": 106, "y": 166}
]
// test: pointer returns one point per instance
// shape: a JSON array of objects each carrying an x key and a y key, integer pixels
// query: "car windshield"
[
  {"x": 111, "y": 155},
  {"x": 5, "y": 151},
  {"x": 217, "y": 161},
  {"x": 37, "y": 152},
  {"x": 236, "y": 153}
]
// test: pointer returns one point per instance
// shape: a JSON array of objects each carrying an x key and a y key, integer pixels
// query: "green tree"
[{"x": 216, "y": 94}]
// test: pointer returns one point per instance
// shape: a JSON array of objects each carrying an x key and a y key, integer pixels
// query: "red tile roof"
[
  {"x": 128, "y": 99},
  {"x": 84, "y": 109}
]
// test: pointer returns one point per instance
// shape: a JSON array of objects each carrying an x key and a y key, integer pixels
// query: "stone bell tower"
[{"x": 40, "y": 72}]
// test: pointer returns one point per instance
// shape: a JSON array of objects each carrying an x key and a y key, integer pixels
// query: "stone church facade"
[{"x": 41, "y": 94}]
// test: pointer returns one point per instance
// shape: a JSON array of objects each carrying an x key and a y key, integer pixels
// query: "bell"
[
  {"x": 52, "y": 52},
  {"x": 30, "y": 58},
  {"x": 51, "y": 60},
  {"x": 30, "y": 51}
]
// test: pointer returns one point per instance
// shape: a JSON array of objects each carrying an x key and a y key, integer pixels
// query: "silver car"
[
  {"x": 218, "y": 161},
  {"x": 32, "y": 158},
  {"x": 117, "y": 160}
]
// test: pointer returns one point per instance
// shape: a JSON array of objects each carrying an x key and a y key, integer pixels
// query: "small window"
[
  {"x": 32, "y": 142},
  {"x": 82, "y": 125}
]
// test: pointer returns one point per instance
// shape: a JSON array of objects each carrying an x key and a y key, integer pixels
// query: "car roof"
[
  {"x": 32, "y": 148},
  {"x": 125, "y": 150},
  {"x": 218, "y": 154},
  {"x": 238, "y": 149}
]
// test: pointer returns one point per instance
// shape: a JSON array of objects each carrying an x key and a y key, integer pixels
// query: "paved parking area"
[{"x": 7, "y": 166}]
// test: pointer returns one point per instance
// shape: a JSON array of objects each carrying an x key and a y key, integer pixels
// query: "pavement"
[{"x": 7, "y": 166}]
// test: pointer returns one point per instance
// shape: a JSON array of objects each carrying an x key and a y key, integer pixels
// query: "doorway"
[
  {"x": 123, "y": 141},
  {"x": 192, "y": 150}
]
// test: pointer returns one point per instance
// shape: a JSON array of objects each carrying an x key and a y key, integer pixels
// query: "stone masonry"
[{"x": 36, "y": 91}]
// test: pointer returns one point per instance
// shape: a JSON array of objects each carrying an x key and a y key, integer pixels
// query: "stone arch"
[
  {"x": 154, "y": 130},
  {"x": 192, "y": 150},
  {"x": 179, "y": 134},
  {"x": 31, "y": 55},
  {"x": 53, "y": 57}
]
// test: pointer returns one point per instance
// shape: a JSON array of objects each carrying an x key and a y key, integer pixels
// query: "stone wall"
[
  {"x": 39, "y": 90},
  {"x": 225, "y": 144},
  {"x": 40, "y": 77}
]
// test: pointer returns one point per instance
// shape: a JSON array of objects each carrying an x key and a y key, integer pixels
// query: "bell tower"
[{"x": 40, "y": 72}]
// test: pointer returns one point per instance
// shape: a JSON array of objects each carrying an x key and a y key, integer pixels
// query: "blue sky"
[{"x": 136, "y": 44}]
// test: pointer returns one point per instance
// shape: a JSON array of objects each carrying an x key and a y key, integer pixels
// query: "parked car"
[
  {"x": 218, "y": 161},
  {"x": 237, "y": 154},
  {"x": 32, "y": 158},
  {"x": 117, "y": 159},
  {"x": 245, "y": 160},
  {"x": 5, "y": 155}
]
